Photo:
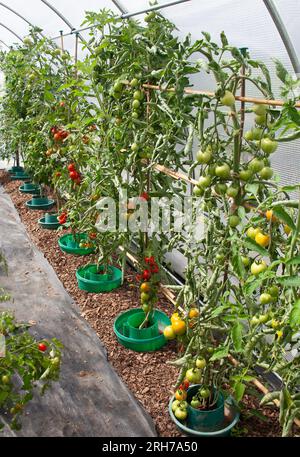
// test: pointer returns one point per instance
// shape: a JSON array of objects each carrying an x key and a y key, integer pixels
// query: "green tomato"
[
  {"x": 198, "y": 191},
  {"x": 249, "y": 135},
  {"x": 204, "y": 157},
  {"x": 136, "y": 104},
  {"x": 265, "y": 298},
  {"x": 232, "y": 191},
  {"x": 55, "y": 362},
  {"x": 134, "y": 147},
  {"x": 260, "y": 110},
  {"x": 5, "y": 379},
  {"x": 228, "y": 99},
  {"x": 252, "y": 232},
  {"x": 268, "y": 146},
  {"x": 220, "y": 257},
  {"x": 195, "y": 402},
  {"x": 204, "y": 392},
  {"x": 138, "y": 95},
  {"x": 193, "y": 375},
  {"x": 234, "y": 221},
  {"x": 257, "y": 133},
  {"x": 146, "y": 308},
  {"x": 181, "y": 414},
  {"x": 223, "y": 171},
  {"x": 266, "y": 173},
  {"x": 118, "y": 86},
  {"x": 220, "y": 189},
  {"x": 257, "y": 268},
  {"x": 260, "y": 120},
  {"x": 256, "y": 165},
  {"x": 263, "y": 318},
  {"x": 201, "y": 363},
  {"x": 254, "y": 321},
  {"x": 204, "y": 182},
  {"x": 27, "y": 41},
  {"x": 246, "y": 261},
  {"x": 175, "y": 405},
  {"x": 245, "y": 175},
  {"x": 274, "y": 291},
  {"x": 134, "y": 82},
  {"x": 135, "y": 115}
]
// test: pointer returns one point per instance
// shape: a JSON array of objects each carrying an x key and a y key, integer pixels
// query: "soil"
[{"x": 146, "y": 374}]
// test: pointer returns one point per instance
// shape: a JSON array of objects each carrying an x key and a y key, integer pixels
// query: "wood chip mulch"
[{"x": 145, "y": 374}]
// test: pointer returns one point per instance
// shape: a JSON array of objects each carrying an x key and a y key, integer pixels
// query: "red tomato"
[
  {"x": 145, "y": 196},
  {"x": 42, "y": 347},
  {"x": 74, "y": 175},
  {"x": 154, "y": 268},
  {"x": 57, "y": 136},
  {"x": 146, "y": 275},
  {"x": 72, "y": 167},
  {"x": 93, "y": 235}
]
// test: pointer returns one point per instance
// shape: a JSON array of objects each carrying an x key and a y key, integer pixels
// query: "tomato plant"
[{"x": 34, "y": 362}]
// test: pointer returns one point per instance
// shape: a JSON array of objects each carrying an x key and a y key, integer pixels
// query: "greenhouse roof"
[{"x": 255, "y": 19}]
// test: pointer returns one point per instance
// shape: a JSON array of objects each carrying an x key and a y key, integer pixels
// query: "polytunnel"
[{"x": 149, "y": 219}]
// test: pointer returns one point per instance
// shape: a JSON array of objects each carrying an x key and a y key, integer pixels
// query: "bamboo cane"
[{"x": 257, "y": 101}]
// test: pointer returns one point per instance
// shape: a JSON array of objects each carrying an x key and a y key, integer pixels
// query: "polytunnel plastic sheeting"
[{"x": 89, "y": 399}]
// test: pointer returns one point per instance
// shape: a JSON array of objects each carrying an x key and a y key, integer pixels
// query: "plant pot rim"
[
  {"x": 206, "y": 411},
  {"x": 191, "y": 432}
]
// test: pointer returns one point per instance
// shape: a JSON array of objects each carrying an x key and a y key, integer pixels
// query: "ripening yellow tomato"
[
  {"x": 270, "y": 216},
  {"x": 194, "y": 312},
  {"x": 169, "y": 333},
  {"x": 175, "y": 317},
  {"x": 262, "y": 239},
  {"x": 179, "y": 327}
]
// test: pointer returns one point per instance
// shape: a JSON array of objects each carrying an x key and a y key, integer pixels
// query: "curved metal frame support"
[
  {"x": 154, "y": 8},
  {"x": 120, "y": 7},
  {"x": 275, "y": 15},
  {"x": 1, "y": 41},
  {"x": 11, "y": 31},
  {"x": 20, "y": 16},
  {"x": 65, "y": 20}
]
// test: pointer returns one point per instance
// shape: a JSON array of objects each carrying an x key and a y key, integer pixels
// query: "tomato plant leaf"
[
  {"x": 253, "y": 246},
  {"x": 237, "y": 336},
  {"x": 284, "y": 216},
  {"x": 293, "y": 261},
  {"x": 220, "y": 353},
  {"x": 239, "y": 390},
  {"x": 294, "y": 318},
  {"x": 289, "y": 281}
]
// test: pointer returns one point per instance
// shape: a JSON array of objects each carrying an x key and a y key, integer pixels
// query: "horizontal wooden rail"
[
  {"x": 258, "y": 101},
  {"x": 174, "y": 174}
]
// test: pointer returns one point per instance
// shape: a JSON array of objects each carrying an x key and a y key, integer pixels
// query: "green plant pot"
[
  {"x": 132, "y": 327},
  {"x": 96, "y": 274},
  {"x": 83, "y": 275},
  {"x": 15, "y": 169},
  {"x": 49, "y": 221},
  {"x": 127, "y": 333},
  {"x": 70, "y": 246},
  {"x": 231, "y": 418},
  {"x": 29, "y": 188},
  {"x": 39, "y": 203},
  {"x": 201, "y": 420},
  {"x": 20, "y": 176}
]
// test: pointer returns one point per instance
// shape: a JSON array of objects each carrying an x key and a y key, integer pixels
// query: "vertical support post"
[
  {"x": 243, "y": 94},
  {"x": 76, "y": 53},
  {"x": 61, "y": 39}
]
